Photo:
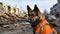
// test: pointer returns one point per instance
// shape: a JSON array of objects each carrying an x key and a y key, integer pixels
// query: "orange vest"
[{"x": 43, "y": 28}]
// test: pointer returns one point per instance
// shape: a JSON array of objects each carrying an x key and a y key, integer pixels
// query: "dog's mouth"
[{"x": 34, "y": 21}]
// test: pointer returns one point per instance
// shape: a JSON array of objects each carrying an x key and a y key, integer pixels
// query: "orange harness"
[{"x": 45, "y": 28}]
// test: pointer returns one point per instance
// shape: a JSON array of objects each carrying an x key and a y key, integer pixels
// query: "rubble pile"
[{"x": 10, "y": 15}]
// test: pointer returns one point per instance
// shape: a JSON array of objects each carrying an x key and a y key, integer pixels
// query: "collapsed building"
[
  {"x": 11, "y": 10},
  {"x": 9, "y": 14},
  {"x": 55, "y": 9}
]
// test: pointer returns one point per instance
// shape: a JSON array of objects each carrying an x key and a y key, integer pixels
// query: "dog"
[{"x": 38, "y": 22}]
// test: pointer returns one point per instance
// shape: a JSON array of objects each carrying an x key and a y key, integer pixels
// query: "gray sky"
[{"x": 21, "y": 4}]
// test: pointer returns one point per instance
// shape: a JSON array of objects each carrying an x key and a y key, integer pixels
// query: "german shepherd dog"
[{"x": 38, "y": 22}]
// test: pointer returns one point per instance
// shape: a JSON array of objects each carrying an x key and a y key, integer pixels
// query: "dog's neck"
[{"x": 37, "y": 23}]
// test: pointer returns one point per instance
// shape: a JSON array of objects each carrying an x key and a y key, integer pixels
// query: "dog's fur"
[{"x": 35, "y": 17}]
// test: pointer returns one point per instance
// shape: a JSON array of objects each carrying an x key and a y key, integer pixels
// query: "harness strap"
[
  {"x": 54, "y": 31},
  {"x": 41, "y": 28}
]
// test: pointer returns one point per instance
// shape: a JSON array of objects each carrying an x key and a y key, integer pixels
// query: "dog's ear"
[
  {"x": 28, "y": 8},
  {"x": 36, "y": 9}
]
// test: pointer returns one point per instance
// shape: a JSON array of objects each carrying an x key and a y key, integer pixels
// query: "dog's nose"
[{"x": 29, "y": 20}]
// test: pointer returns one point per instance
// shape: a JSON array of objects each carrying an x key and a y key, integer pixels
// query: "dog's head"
[{"x": 34, "y": 14}]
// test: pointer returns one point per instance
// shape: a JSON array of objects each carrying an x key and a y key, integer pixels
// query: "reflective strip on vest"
[{"x": 40, "y": 32}]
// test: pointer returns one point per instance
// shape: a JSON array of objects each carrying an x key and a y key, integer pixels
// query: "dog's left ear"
[{"x": 36, "y": 9}]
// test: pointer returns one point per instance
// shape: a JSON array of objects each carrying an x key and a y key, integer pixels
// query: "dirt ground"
[{"x": 22, "y": 29}]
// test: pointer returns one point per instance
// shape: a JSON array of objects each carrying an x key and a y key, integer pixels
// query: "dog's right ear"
[{"x": 28, "y": 8}]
